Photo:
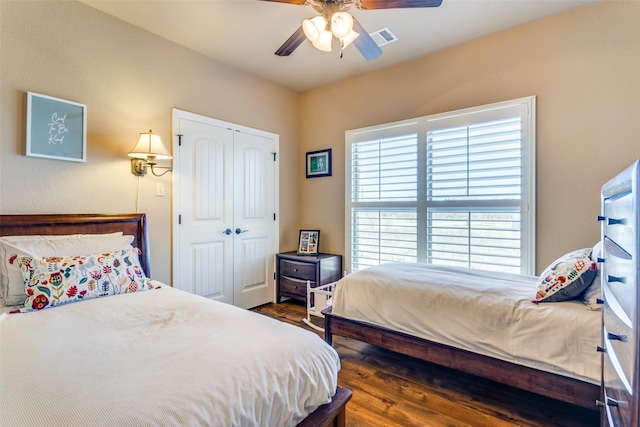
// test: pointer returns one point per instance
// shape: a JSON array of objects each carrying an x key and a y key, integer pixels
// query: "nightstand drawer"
[
  {"x": 293, "y": 271},
  {"x": 289, "y": 285},
  {"x": 298, "y": 270}
]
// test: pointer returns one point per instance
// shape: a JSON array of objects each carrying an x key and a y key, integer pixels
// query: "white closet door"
[
  {"x": 253, "y": 213},
  {"x": 225, "y": 201},
  {"x": 204, "y": 196}
]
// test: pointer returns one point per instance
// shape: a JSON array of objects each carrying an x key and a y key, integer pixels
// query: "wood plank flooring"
[{"x": 390, "y": 389}]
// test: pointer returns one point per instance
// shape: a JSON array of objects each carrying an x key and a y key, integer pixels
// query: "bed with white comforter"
[
  {"x": 90, "y": 340},
  {"x": 160, "y": 357},
  {"x": 483, "y": 312}
]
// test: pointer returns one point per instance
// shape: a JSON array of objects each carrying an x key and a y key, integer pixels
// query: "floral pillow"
[
  {"x": 56, "y": 280},
  {"x": 567, "y": 277}
]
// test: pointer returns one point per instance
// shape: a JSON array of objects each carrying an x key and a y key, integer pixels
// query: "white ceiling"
[{"x": 246, "y": 33}]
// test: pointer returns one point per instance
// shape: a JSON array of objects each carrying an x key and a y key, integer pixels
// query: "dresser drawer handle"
[
  {"x": 599, "y": 259},
  {"x": 612, "y": 279},
  {"x": 617, "y": 337},
  {"x": 599, "y": 301},
  {"x": 601, "y": 349},
  {"x": 612, "y": 221},
  {"x": 612, "y": 402}
]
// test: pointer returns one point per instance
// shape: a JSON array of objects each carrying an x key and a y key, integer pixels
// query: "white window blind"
[{"x": 452, "y": 189}]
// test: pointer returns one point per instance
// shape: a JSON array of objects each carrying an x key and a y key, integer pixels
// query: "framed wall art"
[
  {"x": 56, "y": 128},
  {"x": 319, "y": 163},
  {"x": 309, "y": 242}
]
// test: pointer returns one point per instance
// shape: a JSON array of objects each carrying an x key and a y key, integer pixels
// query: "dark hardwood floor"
[{"x": 390, "y": 389}]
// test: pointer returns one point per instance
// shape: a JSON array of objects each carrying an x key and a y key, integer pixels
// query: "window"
[{"x": 451, "y": 189}]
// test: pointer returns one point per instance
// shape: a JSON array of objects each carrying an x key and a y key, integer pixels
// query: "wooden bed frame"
[
  {"x": 332, "y": 414},
  {"x": 551, "y": 385}
]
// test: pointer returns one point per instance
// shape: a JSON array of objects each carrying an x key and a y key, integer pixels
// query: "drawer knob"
[
  {"x": 614, "y": 221},
  {"x": 599, "y": 259},
  {"x": 612, "y": 279},
  {"x": 612, "y": 402},
  {"x": 616, "y": 337},
  {"x": 295, "y": 269},
  {"x": 599, "y": 301},
  {"x": 600, "y": 403}
]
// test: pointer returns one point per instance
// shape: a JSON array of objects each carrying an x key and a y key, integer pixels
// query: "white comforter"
[
  {"x": 484, "y": 312},
  {"x": 160, "y": 357}
]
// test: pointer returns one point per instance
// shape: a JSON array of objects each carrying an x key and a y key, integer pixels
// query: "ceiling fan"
[{"x": 335, "y": 21}]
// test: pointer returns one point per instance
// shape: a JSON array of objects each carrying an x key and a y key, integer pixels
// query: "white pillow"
[{"x": 11, "y": 281}]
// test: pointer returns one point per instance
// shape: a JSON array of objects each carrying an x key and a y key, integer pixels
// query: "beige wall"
[
  {"x": 130, "y": 80},
  {"x": 584, "y": 68}
]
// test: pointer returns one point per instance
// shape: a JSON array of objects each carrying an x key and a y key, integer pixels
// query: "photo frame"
[
  {"x": 319, "y": 163},
  {"x": 309, "y": 242},
  {"x": 56, "y": 128}
]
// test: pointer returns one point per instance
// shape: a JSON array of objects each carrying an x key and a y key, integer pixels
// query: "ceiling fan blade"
[
  {"x": 398, "y": 4},
  {"x": 365, "y": 44},
  {"x": 289, "y": 1},
  {"x": 292, "y": 43}
]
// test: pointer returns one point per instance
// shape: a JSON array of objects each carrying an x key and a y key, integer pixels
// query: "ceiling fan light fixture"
[
  {"x": 341, "y": 24},
  {"x": 346, "y": 41},
  {"x": 314, "y": 27},
  {"x": 324, "y": 41}
]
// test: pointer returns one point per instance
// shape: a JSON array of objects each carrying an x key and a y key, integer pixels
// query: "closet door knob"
[
  {"x": 227, "y": 231},
  {"x": 239, "y": 231}
]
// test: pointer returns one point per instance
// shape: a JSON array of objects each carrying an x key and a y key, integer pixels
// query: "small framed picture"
[
  {"x": 319, "y": 163},
  {"x": 309, "y": 242},
  {"x": 56, "y": 128}
]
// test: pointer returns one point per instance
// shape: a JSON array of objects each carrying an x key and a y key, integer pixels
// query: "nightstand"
[{"x": 293, "y": 271}]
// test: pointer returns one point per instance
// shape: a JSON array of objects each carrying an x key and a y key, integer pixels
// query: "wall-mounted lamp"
[{"x": 148, "y": 149}]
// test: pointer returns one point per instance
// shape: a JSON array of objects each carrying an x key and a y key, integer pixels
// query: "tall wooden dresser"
[{"x": 620, "y": 295}]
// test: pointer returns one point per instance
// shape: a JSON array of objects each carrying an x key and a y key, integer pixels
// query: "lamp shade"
[
  {"x": 341, "y": 24},
  {"x": 324, "y": 42},
  {"x": 314, "y": 27},
  {"x": 150, "y": 145}
]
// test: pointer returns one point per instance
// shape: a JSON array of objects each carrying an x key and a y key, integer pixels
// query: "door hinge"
[
  {"x": 274, "y": 275},
  {"x": 179, "y": 140},
  {"x": 179, "y": 219},
  {"x": 274, "y": 216},
  {"x": 274, "y": 156}
]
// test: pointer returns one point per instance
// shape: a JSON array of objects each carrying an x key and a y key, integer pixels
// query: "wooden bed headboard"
[{"x": 50, "y": 224}]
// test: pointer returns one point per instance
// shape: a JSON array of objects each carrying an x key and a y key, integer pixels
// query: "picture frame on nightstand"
[{"x": 309, "y": 242}]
